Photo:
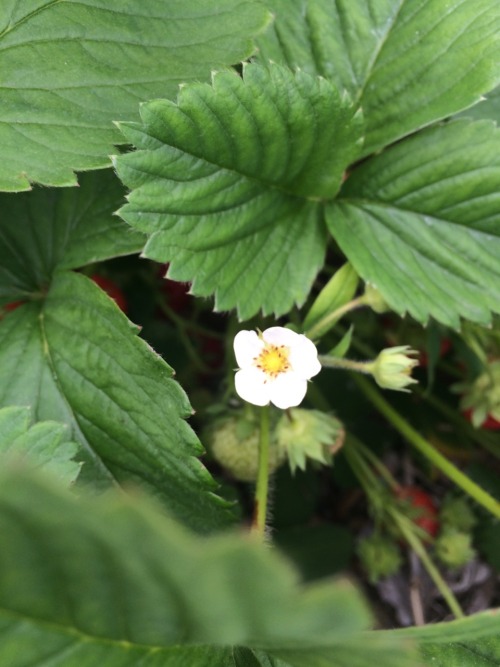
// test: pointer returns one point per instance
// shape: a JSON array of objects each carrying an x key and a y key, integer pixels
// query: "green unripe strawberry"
[
  {"x": 234, "y": 443},
  {"x": 454, "y": 549},
  {"x": 380, "y": 557},
  {"x": 456, "y": 514}
]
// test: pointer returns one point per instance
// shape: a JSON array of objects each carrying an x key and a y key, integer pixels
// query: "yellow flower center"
[{"x": 273, "y": 360}]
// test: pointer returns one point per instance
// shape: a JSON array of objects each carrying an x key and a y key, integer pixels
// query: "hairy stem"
[
  {"x": 346, "y": 364},
  {"x": 262, "y": 488}
]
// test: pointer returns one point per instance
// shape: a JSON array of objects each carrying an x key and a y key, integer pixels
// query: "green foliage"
[
  {"x": 351, "y": 139},
  {"x": 421, "y": 222},
  {"x": 239, "y": 170},
  {"x": 407, "y": 63},
  {"x": 137, "y": 587},
  {"x": 44, "y": 445},
  {"x": 469, "y": 642},
  {"x": 71, "y": 355},
  {"x": 69, "y": 69},
  {"x": 227, "y": 183},
  {"x": 44, "y": 230}
]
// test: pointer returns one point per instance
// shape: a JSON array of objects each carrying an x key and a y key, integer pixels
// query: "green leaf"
[
  {"x": 338, "y": 291},
  {"x": 227, "y": 183},
  {"x": 69, "y": 69},
  {"x": 468, "y": 642},
  {"x": 407, "y": 63},
  {"x": 114, "y": 582},
  {"x": 421, "y": 223},
  {"x": 76, "y": 359},
  {"x": 47, "y": 229},
  {"x": 44, "y": 445}
]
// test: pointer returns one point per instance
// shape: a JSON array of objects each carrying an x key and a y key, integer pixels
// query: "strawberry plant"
[{"x": 249, "y": 311}]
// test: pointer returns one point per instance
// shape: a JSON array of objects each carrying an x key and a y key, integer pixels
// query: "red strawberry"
[{"x": 424, "y": 511}]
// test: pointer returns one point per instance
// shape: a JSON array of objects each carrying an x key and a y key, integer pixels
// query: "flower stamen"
[{"x": 273, "y": 360}]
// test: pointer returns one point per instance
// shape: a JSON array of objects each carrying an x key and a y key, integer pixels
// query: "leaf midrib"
[{"x": 76, "y": 633}]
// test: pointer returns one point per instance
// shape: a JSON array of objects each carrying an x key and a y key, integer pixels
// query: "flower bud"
[{"x": 393, "y": 366}]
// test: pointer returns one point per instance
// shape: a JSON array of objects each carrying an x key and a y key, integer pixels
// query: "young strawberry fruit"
[
  {"x": 234, "y": 443},
  {"x": 379, "y": 556},
  {"x": 454, "y": 548}
]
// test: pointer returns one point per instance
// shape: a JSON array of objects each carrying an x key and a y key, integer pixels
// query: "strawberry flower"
[{"x": 274, "y": 366}]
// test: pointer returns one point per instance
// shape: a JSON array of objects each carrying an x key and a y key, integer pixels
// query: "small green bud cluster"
[
  {"x": 454, "y": 549},
  {"x": 482, "y": 397},
  {"x": 380, "y": 556},
  {"x": 453, "y": 546}
]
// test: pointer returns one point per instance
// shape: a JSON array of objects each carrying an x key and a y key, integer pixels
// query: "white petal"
[
  {"x": 288, "y": 390},
  {"x": 280, "y": 336},
  {"x": 247, "y": 345},
  {"x": 304, "y": 358},
  {"x": 251, "y": 386}
]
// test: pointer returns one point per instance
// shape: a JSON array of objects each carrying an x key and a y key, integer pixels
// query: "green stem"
[
  {"x": 382, "y": 470},
  {"x": 355, "y": 454},
  {"x": 434, "y": 573},
  {"x": 328, "y": 320},
  {"x": 262, "y": 488},
  {"x": 425, "y": 448},
  {"x": 346, "y": 364}
]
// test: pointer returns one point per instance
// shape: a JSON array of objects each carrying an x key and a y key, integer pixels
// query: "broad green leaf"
[
  {"x": 228, "y": 181},
  {"x": 76, "y": 359},
  {"x": 421, "y": 222},
  {"x": 469, "y": 642},
  {"x": 338, "y": 291},
  {"x": 364, "y": 650},
  {"x": 24, "y": 640},
  {"x": 67, "y": 228},
  {"x": 407, "y": 63},
  {"x": 114, "y": 582},
  {"x": 69, "y": 69},
  {"x": 43, "y": 445}
]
